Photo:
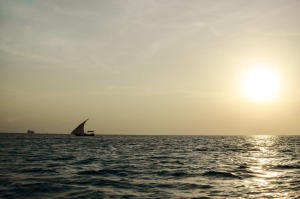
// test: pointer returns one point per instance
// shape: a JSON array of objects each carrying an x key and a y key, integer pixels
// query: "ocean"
[{"x": 108, "y": 166}]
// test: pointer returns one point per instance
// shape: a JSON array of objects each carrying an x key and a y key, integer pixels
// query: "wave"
[
  {"x": 104, "y": 172},
  {"x": 111, "y": 183},
  {"x": 64, "y": 158},
  {"x": 86, "y": 161},
  {"x": 286, "y": 167},
  {"x": 35, "y": 189},
  {"x": 243, "y": 166},
  {"x": 201, "y": 149},
  {"x": 218, "y": 174},
  {"x": 177, "y": 173},
  {"x": 189, "y": 186},
  {"x": 38, "y": 170}
]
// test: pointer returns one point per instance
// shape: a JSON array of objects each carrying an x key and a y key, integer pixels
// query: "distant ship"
[
  {"x": 79, "y": 130},
  {"x": 30, "y": 132}
]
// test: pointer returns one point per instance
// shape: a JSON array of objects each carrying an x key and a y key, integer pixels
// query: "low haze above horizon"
[{"x": 150, "y": 67}]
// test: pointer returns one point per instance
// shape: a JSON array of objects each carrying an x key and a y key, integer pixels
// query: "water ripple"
[{"x": 62, "y": 166}]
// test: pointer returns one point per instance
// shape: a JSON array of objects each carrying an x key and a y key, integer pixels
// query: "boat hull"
[{"x": 92, "y": 134}]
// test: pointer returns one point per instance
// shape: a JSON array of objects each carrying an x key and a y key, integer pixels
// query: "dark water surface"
[{"x": 64, "y": 166}]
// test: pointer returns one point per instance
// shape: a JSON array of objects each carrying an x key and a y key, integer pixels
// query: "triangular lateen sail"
[{"x": 80, "y": 129}]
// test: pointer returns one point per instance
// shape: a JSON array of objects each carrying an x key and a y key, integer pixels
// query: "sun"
[{"x": 261, "y": 84}]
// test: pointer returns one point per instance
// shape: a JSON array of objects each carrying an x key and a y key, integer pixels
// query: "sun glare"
[{"x": 261, "y": 84}]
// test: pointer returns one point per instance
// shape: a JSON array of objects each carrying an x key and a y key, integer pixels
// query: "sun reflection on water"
[{"x": 263, "y": 154}]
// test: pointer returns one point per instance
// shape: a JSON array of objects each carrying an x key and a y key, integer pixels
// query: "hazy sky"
[{"x": 147, "y": 67}]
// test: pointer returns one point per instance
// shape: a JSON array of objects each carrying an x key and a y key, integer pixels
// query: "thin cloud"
[{"x": 33, "y": 57}]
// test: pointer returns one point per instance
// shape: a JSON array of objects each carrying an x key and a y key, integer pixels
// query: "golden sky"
[{"x": 150, "y": 67}]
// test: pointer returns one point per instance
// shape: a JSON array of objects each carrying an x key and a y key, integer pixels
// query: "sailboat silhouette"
[{"x": 79, "y": 130}]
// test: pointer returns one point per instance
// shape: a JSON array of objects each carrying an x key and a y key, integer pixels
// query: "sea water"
[{"x": 66, "y": 166}]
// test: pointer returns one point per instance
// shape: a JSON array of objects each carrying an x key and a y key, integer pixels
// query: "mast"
[{"x": 79, "y": 130}]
